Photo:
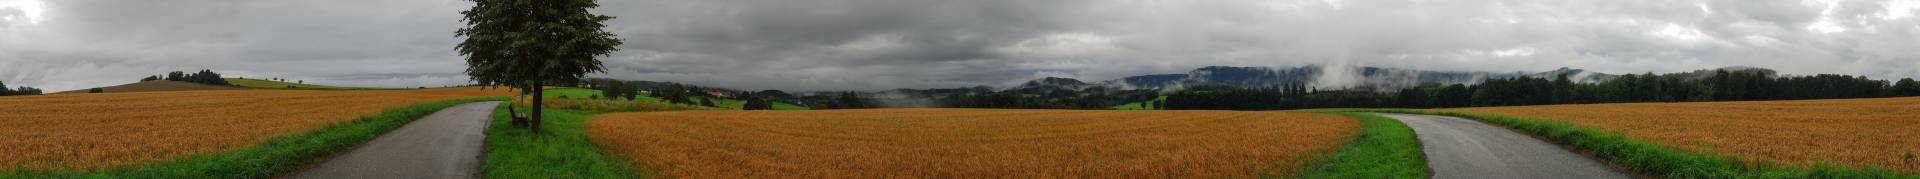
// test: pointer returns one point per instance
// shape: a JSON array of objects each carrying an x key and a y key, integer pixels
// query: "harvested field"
[
  {"x": 155, "y": 86},
  {"x": 1881, "y": 132},
  {"x": 970, "y": 143},
  {"x": 95, "y": 131}
]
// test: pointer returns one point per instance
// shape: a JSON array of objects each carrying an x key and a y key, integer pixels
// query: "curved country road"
[
  {"x": 446, "y": 144},
  {"x": 1463, "y": 148}
]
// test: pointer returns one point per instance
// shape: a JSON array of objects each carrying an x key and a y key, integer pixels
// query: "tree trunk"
[{"x": 537, "y": 89}]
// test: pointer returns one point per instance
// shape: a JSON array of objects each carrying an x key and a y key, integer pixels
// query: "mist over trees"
[
  {"x": 847, "y": 100},
  {"x": 1090, "y": 98},
  {"x": 1703, "y": 85},
  {"x": 1718, "y": 85}
]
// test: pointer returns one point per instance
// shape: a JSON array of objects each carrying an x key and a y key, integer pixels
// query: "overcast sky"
[{"x": 880, "y": 44}]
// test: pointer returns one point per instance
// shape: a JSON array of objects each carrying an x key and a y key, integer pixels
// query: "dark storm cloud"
[
  {"x": 879, "y": 44},
  {"x": 852, "y": 44}
]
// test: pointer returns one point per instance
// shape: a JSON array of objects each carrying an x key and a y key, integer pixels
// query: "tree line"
[
  {"x": 1719, "y": 85},
  {"x": 676, "y": 93},
  {"x": 840, "y": 100},
  {"x": 1091, "y": 98},
  {"x": 22, "y": 91},
  {"x": 207, "y": 77}
]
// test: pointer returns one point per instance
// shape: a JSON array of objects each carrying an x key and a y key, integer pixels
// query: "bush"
[{"x": 755, "y": 102}]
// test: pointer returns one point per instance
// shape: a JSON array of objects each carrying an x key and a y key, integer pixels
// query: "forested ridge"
[{"x": 1718, "y": 85}]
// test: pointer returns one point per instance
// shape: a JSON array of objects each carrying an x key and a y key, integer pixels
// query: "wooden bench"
[{"x": 519, "y": 120}]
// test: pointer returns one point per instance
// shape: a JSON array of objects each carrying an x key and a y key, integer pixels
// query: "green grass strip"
[
  {"x": 1385, "y": 148},
  {"x": 273, "y": 157},
  {"x": 561, "y": 150},
  {"x": 1654, "y": 160}
]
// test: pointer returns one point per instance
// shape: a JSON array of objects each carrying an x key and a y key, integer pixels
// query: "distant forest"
[
  {"x": 4, "y": 91},
  {"x": 1721, "y": 85},
  {"x": 1716, "y": 85},
  {"x": 1705, "y": 85},
  {"x": 677, "y": 93}
]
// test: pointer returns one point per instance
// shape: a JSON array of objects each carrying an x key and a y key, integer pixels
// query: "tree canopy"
[
  {"x": 527, "y": 43},
  {"x": 207, "y": 77},
  {"x": 521, "y": 43}
]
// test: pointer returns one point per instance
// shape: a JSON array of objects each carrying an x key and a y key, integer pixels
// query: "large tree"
[
  {"x": 527, "y": 44},
  {"x": 1905, "y": 87}
]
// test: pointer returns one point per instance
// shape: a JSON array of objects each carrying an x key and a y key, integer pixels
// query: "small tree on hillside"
[
  {"x": 632, "y": 92},
  {"x": 677, "y": 94},
  {"x": 528, "y": 44},
  {"x": 208, "y": 77},
  {"x": 707, "y": 101},
  {"x": 176, "y": 76},
  {"x": 612, "y": 89},
  {"x": 756, "y": 102}
]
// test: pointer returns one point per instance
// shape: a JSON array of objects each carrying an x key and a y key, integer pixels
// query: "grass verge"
[
  {"x": 1385, "y": 148},
  {"x": 272, "y": 157},
  {"x": 1653, "y": 160},
  {"x": 561, "y": 150}
]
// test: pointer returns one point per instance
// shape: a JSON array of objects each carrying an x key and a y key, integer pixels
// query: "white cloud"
[{"x": 28, "y": 11}]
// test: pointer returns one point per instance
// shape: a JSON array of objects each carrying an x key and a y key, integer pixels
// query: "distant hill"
[
  {"x": 157, "y": 85},
  {"x": 259, "y": 83},
  {"x": 1160, "y": 80},
  {"x": 1054, "y": 83},
  {"x": 1704, "y": 73},
  {"x": 1352, "y": 77}
]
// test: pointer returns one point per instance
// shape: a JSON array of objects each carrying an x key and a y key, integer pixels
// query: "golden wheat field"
[
  {"x": 1850, "y": 132},
  {"x": 94, "y": 131},
  {"x": 970, "y": 143}
]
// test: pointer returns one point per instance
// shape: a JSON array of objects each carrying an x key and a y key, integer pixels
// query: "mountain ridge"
[{"x": 1374, "y": 78}]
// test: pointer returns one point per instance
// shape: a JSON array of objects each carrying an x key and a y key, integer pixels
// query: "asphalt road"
[
  {"x": 446, "y": 144},
  {"x": 1463, "y": 148}
]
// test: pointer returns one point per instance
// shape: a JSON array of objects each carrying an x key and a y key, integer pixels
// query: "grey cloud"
[
  {"x": 881, "y": 44},
  {"x": 90, "y": 43}
]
